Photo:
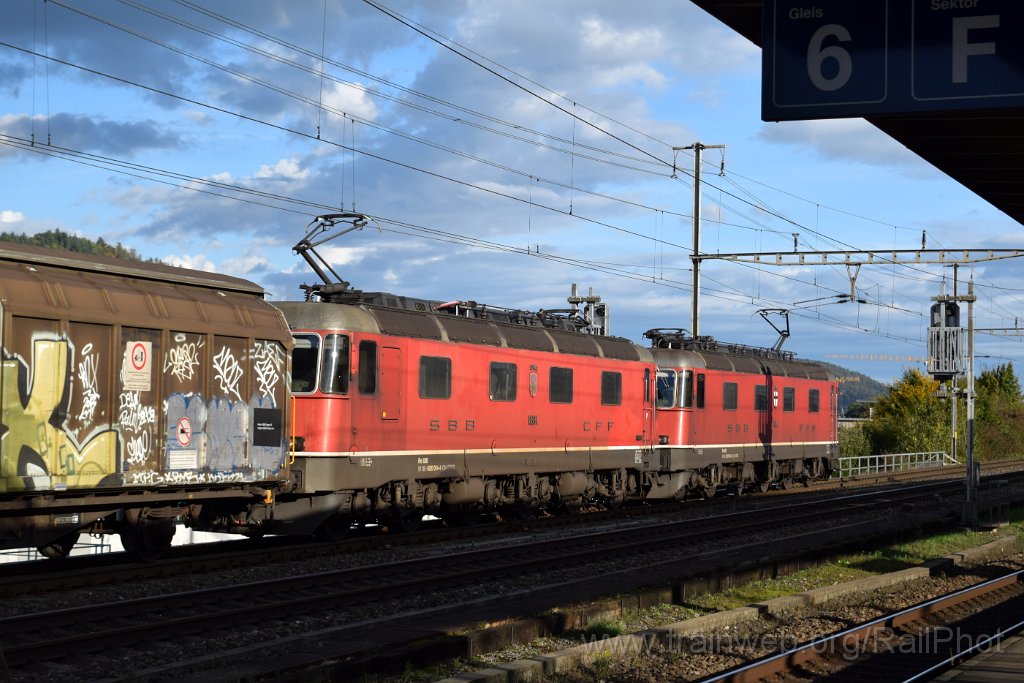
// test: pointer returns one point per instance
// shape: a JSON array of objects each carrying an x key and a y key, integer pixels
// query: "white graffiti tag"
[
  {"x": 227, "y": 371},
  {"x": 138, "y": 448},
  {"x": 132, "y": 414},
  {"x": 268, "y": 359},
  {"x": 182, "y": 361},
  {"x": 87, "y": 375}
]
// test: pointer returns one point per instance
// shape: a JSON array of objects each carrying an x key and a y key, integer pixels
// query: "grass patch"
[
  {"x": 857, "y": 565},
  {"x": 605, "y": 628}
]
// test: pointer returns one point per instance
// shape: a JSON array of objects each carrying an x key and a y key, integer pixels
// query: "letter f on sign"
[{"x": 962, "y": 49}]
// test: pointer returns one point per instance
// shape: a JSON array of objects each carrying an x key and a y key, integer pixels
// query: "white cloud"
[
  {"x": 193, "y": 261},
  {"x": 350, "y": 100},
  {"x": 8, "y": 216},
  {"x": 831, "y": 140},
  {"x": 285, "y": 169}
]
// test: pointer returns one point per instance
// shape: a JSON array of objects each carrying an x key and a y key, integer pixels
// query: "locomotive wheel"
[
  {"x": 146, "y": 538},
  {"x": 614, "y": 502},
  {"x": 571, "y": 505},
  {"x": 61, "y": 547},
  {"x": 464, "y": 515},
  {"x": 522, "y": 512},
  {"x": 335, "y": 528}
]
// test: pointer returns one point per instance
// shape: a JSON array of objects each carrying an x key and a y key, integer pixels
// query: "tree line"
[
  {"x": 58, "y": 239},
  {"x": 912, "y": 418}
]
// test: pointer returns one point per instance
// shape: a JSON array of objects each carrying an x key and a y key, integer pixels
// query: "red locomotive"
[{"x": 402, "y": 407}]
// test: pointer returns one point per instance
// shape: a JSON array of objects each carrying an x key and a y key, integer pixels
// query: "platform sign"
[{"x": 837, "y": 58}]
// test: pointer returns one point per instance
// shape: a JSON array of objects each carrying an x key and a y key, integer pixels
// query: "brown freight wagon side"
[{"x": 134, "y": 394}]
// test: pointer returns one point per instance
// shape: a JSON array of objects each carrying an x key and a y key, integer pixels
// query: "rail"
[{"x": 849, "y": 466}]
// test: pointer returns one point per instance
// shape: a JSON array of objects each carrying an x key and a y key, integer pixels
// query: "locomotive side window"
[
  {"x": 503, "y": 381},
  {"x": 666, "y": 388},
  {"x": 687, "y": 396},
  {"x": 700, "y": 390},
  {"x": 788, "y": 399},
  {"x": 812, "y": 401},
  {"x": 367, "y": 367},
  {"x": 435, "y": 377},
  {"x": 729, "y": 394},
  {"x": 611, "y": 388},
  {"x": 334, "y": 366},
  {"x": 560, "y": 385},
  {"x": 761, "y": 397}
]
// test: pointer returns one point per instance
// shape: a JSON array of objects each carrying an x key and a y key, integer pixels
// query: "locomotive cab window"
[
  {"x": 700, "y": 390},
  {"x": 334, "y": 366},
  {"x": 503, "y": 382},
  {"x": 367, "y": 367},
  {"x": 761, "y": 397},
  {"x": 788, "y": 399},
  {"x": 560, "y": 385},
  {"x": 729, "y": 394},
  {"x": 305, "y": 357},
  {"x": 666, "y": 388},
  {"x": 812, "y": 401},
  {"x": 611, "y": 388},
  {"x": 435, "y": 377}
]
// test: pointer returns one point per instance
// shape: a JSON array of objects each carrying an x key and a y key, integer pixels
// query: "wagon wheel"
[
  {"x": 145, "y": 537},
  {"x": 61, "y": 547},
  {"x": 786, "y": 484},
  {"x": 763, "y": 486},
  {"x": 406, "y": 522},
  {"x": 335, "y": 528},
  {"x": 709, "y": 491}
]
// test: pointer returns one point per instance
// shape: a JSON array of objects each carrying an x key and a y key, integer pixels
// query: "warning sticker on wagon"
[{"x": 138, "y": 365}]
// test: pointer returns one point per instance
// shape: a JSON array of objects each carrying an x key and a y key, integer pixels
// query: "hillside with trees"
[
  {"x": 854, "y": 387},
  {"x": 58, "y": 239}
]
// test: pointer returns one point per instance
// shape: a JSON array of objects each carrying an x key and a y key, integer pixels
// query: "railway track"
[
  {"x": 45, "y": 575},
  {"x": 32, "y": 639},
  {"x": 913, "y": 644}
]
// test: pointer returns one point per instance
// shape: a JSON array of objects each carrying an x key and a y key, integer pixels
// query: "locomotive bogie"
[{"x": 133, "y": 393}]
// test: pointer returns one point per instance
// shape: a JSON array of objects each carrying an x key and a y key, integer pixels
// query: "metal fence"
[{"x": 853, "y": 465}]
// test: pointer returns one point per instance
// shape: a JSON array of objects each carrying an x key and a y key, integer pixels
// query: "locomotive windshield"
[
  {"x": 666, "y": 389},
  {"x": 332, "y": 364},
  {"x": 305, "y": 359},
  {"x": 334, "y": 370}
]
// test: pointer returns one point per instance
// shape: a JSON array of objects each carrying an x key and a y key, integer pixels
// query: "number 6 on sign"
[{"x": 817, "y": 57}]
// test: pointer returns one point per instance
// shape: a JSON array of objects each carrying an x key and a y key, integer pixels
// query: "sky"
[{"x": 503, "y": 150}]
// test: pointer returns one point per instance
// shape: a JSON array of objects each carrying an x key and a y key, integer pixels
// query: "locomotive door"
[
  {"x": 390, "y": 383},
  {"x": 648, "y": 425}
]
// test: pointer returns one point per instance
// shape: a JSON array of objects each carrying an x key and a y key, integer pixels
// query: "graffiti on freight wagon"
[
  {"x": 35, "y": 444},
  {"x": 66, "y": 429}
]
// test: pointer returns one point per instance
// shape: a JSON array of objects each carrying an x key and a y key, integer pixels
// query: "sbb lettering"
[{"x": 452, "y": 425}]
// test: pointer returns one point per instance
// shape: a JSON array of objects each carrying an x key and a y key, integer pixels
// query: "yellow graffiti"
[{"x": 53, "y": 455}]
